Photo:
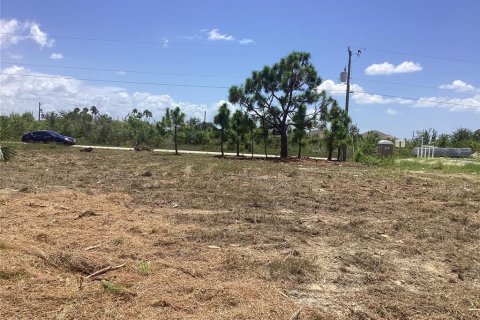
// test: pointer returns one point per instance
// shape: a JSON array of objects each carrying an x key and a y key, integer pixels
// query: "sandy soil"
[{"x": 209, "y": 238}]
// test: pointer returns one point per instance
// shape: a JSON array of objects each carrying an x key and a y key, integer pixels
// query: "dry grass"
[{"x": 210, "y": 238}]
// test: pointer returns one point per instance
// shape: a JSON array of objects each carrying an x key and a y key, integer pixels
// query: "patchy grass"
[
  {"x": 113, "y": 288},
  {"x": 291, "y": 268},
  {"x": 208, "y": 238},
  {"x": 441, "y": 165},
  {"x": 145, "y": 268}
]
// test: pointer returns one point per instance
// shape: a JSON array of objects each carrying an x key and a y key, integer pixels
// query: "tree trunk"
[
  {"x": 175, "y": 139},
  {"x": 299, "y": 149},
  {"x": 251, "y": 134},
  {"x": 283, "y": 142},
  {"x": 238, "y": 147},
  {"x": 330, "y": 149},
  {"x": 265, "y": 145},
  {"x": 221, "y": 143},
  {"x": 339, "y": 154}
]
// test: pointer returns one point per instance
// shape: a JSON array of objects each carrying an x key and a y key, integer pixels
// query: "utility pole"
[
  {"x": 39, "y": 110},
  {"x": 347, "y": 96}
]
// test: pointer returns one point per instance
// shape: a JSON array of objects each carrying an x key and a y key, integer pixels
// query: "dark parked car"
[{"x": 47, "y": 136}]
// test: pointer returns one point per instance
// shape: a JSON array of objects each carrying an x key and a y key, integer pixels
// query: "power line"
[
  {"x": 115, "y": 81},
  {"x": 224, "y": 87},
  {"x": 165, "y": 43},
  {"x": 117, "y": 70},
  {"x": 204, "y": 75},
  {"x": 408, "y": 84},
  {"x": 421, "y": 100},
  {"x": 423, "y": 55},
  {"x": 160, "y": 43}
]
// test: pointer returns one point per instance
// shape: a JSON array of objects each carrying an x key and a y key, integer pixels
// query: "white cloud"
[
  {"x": 408, "y": 66},
  {"x": 165, "y": 42},
  {"x": 56, "y": 56},
  {"x": 215, "y": 35},
  {"x": 39, "y": 36},
  {"x": 246, "y": 41},
  {"x": 337, "y": 90},
  {"x": 458, "y": 85},
  {"x": 452, "y": 104},
  {"x": 391, "y": 112},
  {"x": 15, "y": 56},
  {"x": 358, "y": 95},
  {"x": 8, "y": 30},
  {"x": 12, "y": 32},
  {"x": 387, "y": 68},
  {"x": 120, "y": 73},
  {"x": 22, "y": 93}
]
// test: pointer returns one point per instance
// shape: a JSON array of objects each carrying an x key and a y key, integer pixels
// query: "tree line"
[{"x": 278, "y": 109}]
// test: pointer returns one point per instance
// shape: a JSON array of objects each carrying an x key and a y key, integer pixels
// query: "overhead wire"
[
  {"x": 115, "y": 81},
  {"x": 233, "y": 44},
  {"x": 160, "y": 42},
  {"x": 117, "y": 70},
  {"x": 410, "y": 84},
  {"x": 208, "y": 75},
  {"x": 225, "y": 87},
  {"x": 422, "y": 55}
]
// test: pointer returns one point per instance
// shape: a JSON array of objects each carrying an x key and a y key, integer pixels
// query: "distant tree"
[
  {"x": 461, "y": 136},
  {"x": 222, "y": 119},
  {"x": 336, "y": 135},
  {"x": 50, "y": 118},
  {"x": 94, "y": 111},
  {"x": 354, "y": 133},
  {"x": 427, "y": 136},
  {"x": 335, "y": 124},
  {"x": 241, "y": 125},
  {"x": 369, "y": 141},
  {"x": 138, "y": 129},
  {"x": 195, "y": 132},
  {"x": 443, "y": 140},
  {"x": 147, "y": 114},
  {"x": 476, "y": 135},
  {"x": 171, "y": 123},
  {"x": 301, "y": 123},
  {"x": 280, "y": 90}
]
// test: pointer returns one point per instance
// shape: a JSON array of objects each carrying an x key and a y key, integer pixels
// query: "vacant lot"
[{"x": 209, "y": 238}]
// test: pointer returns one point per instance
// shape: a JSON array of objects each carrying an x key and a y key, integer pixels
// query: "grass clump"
[
  {"x": 13, "y": 275},
  {"x": 369, "y": 160},
  {"x": 145, "y": 268},
  {"x": 113, "y": 288},
  {"x": 291, "y": 268}
]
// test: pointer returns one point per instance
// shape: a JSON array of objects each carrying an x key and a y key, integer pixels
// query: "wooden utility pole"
[
  {"x": 39, "y": 110},
  {"x": 347, "y": 96}
]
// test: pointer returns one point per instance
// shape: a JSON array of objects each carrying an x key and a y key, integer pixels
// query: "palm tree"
[
  {"x": 223, "y": 120},
  {"x": 171, "y": 122},
  {"x": 6, "y": 153}
]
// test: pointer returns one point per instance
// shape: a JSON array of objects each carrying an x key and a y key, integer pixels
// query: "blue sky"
[{"x": 428, "y": 50}]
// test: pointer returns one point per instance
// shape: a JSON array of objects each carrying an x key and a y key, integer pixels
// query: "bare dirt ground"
[{"x": 209, "y": 238}]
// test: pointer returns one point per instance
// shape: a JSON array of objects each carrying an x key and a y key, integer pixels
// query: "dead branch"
[
  {"x": 35, "y": 205},
  {"x": 184, "y": 270},
  {"x": 92, "y": 247},
  {"x": 104, "y": 270},
  {"x": 283, "y": 294},
  {"x": 86, "y": 213},
  {"x": 62, "y": 208},
  {"x": 296, "y": 315}
]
